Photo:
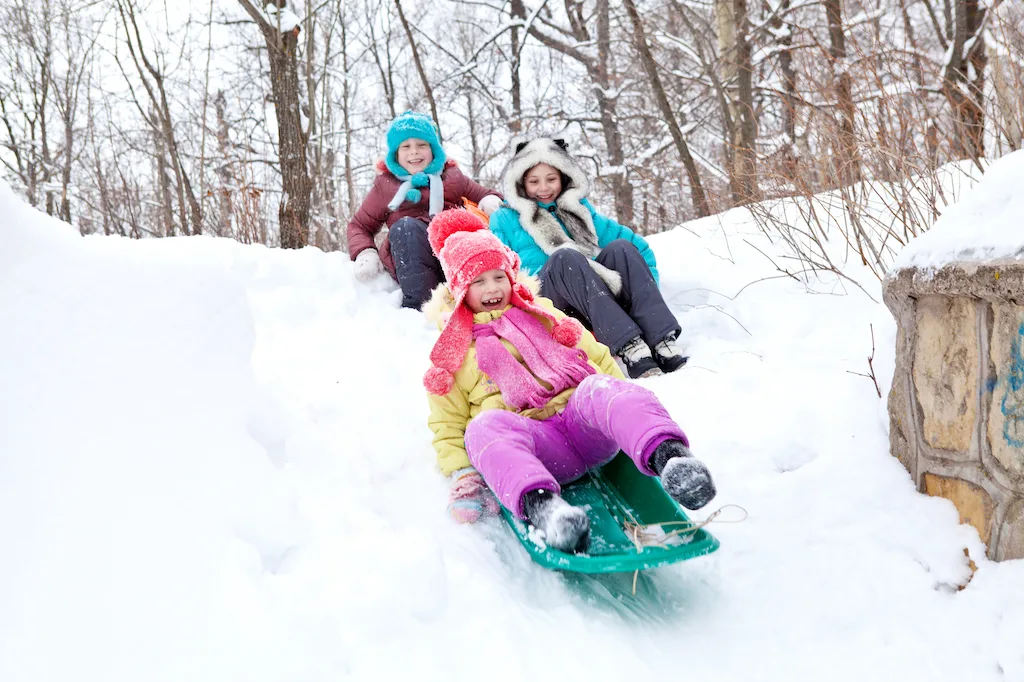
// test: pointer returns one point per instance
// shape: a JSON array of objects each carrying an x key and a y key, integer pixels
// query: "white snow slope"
[{"x": 215, "y": 465}]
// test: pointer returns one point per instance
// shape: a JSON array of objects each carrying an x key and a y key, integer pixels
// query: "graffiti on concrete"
[{"x": 1012, "y": 405}]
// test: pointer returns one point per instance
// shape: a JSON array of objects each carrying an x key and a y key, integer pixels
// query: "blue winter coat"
[{"x": 506, "y": 226}]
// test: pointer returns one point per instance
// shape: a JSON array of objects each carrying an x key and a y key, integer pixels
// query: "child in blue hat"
[{"x": 415, "y": 182}]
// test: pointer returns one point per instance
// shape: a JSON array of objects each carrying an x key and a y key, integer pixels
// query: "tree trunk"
[
  {"x": 965, "y": 94},
  {"x": 846, "y": 153},
  {"x": 203, "y": 190},
  {"x": 163, "y": 181},
  {"x": 785, "y": 42},
  {"x": 225, "y": 170},
  {"x": 745, "y": 159},
  {"x": 65, "y": 179},
  {"x": 700, "y": 202},
  {"x": 315, "y": 152},
  {"x": 1008, "y": 101},
  {"x": 475, "y": 160},
  {"x": 725, "y": 29},
  {"x": 346, "y": 99},
  {"x": 737, "y": 72},
  {"x": 518, "y": 14},
  {"x": 282, "y": 51},
  {"x": 608, "y": 106},
  {"x": 45, "y": 66},
  {"x": 293, "y": 212}
]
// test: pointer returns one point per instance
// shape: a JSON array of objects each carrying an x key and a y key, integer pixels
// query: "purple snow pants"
[{"x": 515, "y": 454}]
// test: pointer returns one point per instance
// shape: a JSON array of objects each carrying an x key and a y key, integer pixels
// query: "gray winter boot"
[
  {"x": 685, "y": 478},
  {"x": 636, "y": 356},
  {"x": 566, "y": 528}
]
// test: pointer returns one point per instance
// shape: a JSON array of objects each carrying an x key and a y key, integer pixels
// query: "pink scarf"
[{"x": 548, "y": 360}]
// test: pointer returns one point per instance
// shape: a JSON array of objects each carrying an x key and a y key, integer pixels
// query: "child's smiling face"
[
  {"x": 543, "y": 183},
  {"x": 414, "y": 155},
  {"x": 492, "y": 290}
]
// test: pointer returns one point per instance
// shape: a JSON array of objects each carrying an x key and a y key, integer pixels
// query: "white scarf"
[{"x": 436, "y": 193}]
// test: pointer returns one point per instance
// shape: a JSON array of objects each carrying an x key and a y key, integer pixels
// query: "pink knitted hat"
[{"x": 467, "y": 249}]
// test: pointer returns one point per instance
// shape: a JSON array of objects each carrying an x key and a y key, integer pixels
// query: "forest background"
[{"x": 262, "y": 120}]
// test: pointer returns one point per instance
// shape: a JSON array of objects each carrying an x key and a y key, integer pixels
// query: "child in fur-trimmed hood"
[
  {"x": 523, "y": 399},
  {"x": 589, "y": 266}
]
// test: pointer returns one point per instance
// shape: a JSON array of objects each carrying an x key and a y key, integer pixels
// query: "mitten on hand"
[
  {"x": 368, "y": 265},
  {"x": 470, "y": 498},
  {"x": 489, "y": 204}
]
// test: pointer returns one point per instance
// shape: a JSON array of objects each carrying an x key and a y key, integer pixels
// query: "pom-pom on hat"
[
  {"x": 467, "y": 249},
  {"x": 413, "y": 124}
]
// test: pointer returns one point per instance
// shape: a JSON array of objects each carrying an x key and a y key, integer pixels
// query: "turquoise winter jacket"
[{"x": 506, "y": 226}]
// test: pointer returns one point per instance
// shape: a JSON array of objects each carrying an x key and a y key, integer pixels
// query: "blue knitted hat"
[{"x": 408, "y": 125}]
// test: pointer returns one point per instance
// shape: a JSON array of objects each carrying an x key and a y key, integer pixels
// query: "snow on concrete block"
[{"x": 986, "y": 225}]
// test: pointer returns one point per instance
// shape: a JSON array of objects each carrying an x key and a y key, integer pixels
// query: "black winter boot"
[
  {"x": 668, "y": 355},
  {"x": 566, "y": 528},
  {"x": 636, "y": 356},
  {"x": 685, "y": 478}
]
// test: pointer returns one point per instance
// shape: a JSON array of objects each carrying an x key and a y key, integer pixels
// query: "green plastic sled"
[{"x": 618, "y": 497}]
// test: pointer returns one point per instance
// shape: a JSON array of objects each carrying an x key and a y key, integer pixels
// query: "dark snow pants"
[
  {"x": 417, "y": 268},
  {"x": 575, "y": 289}
]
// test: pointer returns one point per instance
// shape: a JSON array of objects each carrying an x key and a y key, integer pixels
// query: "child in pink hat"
[{"x": 523, "y": 399}]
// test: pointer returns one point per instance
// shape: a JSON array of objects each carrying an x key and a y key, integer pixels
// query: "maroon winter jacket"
[{"x": 373, "y": 213}]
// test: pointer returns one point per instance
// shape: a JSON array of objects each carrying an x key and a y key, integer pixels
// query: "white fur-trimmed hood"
[
  {"x": 545, "y": 226},
  {"x": 541, "y": 224}
]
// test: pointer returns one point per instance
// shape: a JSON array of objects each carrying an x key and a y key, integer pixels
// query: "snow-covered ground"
[{"x": 215, "y": 465}]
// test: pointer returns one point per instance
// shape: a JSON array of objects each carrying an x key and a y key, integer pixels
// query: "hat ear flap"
[{"x": 524, "y": 292}]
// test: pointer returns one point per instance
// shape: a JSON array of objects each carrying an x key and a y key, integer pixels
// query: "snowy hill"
[{"x": 215, "y": 465}]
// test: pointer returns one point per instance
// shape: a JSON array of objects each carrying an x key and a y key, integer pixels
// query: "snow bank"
[
  {"x": 986, "y": 224},
  {"x": 215, "y": 465}
]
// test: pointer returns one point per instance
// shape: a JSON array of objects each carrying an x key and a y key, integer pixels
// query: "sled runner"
[{"x": 634, "y": 524}]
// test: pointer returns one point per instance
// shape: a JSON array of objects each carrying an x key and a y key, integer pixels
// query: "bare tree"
[
  {"x": 385, "y": 61},
  {"x": 647, "y": 59},
  {"x": 734, "y": 45},
  {"x": 151, "y": 73},
  {"x": 847, "y": 155},
  {"x": 590, "y": 46},
  {"x": 424, "y": 80},
  {"x": 282, "y": 42},
  {"x": 963, "y": 79},
  {"x": 26, "y": 47},
  {"x": 1006, "y": 58}
]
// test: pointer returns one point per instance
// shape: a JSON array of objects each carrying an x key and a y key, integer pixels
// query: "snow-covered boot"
[
  {"x": 668, "y": 355},
  {"x": 566, "y": 528},
  {"x": 685, "y": 478},
  {"x": 637, "y": 358}
]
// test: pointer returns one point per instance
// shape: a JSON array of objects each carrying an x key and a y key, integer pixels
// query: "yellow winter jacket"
[{"x": 474, "y": 392}]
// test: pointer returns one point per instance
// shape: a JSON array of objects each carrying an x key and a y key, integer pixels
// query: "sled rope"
[{"x": 642, "y": 537}]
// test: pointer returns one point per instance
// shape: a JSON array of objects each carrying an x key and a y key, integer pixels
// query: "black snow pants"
[{"x": 639, "y": 310}]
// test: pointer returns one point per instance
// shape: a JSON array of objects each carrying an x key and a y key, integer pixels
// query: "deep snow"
[{"x": 215, "y": 465}]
